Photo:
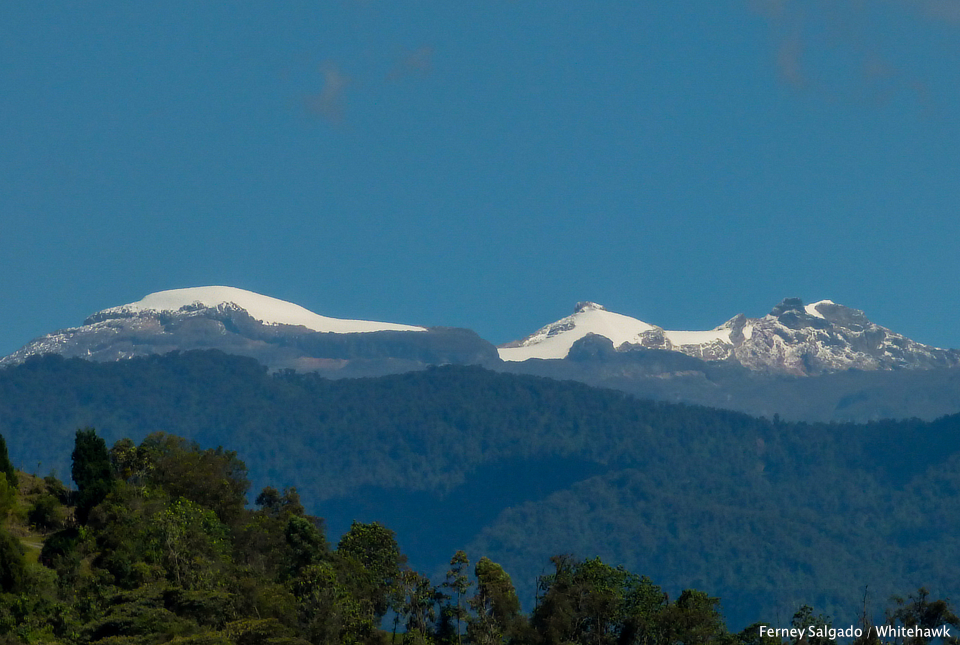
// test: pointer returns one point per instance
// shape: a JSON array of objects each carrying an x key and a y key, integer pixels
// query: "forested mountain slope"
[{"x": 764, "y": 513}]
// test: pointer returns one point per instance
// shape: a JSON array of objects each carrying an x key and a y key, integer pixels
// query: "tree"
[
  {"x": 306, "y": 545},
  {"x": 46, "y": 513},
  {"x": 374, "y": 548},
  {"x": 8, "y": 497},
  {"x": 418, "y": 600},
  {"x": 275, "y": 505},
  {"x": 214, "y": 478},
  {"x": 270, "y": 544},
  {"x": 6, "y": 467},
  {"x": 13, "y": 569},
  {"x": 804, "y": 618},
  {"x": 454, "y": 614},
  {"x": 327, "y": 611},
  {"x": 92, "y": 472},
  {"x": 495, "y": 604},
  {"x": 869, "y": 635},
  {"x": 592, "y": 603},
  {"x": 589, "y": 602},
  {"x": 190, "y": 543},
  {"x": 694, "y": 619},
  {"x": 643, "y": 608},
  {"x": 131, "y": 464},
  {"x": 919, "y": 611},
  {"x": 751, "y": 636}
]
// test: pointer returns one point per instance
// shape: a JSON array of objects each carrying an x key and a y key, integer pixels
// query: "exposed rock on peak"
[
  {"x": 788, "y": 305},
  {"x": 792, "y": 314},
  {"x": 586, "y": 305},
  {"x": 793, "y": 338},
  {"x": 845, "y": 317}
]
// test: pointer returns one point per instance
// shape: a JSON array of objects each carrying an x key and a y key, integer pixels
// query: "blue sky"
[{"x": 483, "y": 163}]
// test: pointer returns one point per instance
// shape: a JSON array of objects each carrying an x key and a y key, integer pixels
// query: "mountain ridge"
[
  {"x": 279, "y": 334},
  {"x": 794, "y": 339},
  {"x": 265, "y": 309}
]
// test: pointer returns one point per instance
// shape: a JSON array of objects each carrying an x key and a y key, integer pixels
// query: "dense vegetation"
[
  {"x": 157, "y": 545},
  {"x": 766, "y": 514}
]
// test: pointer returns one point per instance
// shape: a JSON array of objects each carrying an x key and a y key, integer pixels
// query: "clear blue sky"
[{"x": 483, "y": 163}]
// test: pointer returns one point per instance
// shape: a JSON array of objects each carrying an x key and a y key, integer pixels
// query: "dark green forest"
[
  {"x": 765, "y": 514},
  {"x": 157, "y": 544}
]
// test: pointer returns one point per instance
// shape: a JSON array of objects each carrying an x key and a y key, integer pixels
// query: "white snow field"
[
  {"x": 556, "y": 339},
  {"x": 270, "y": 311}
]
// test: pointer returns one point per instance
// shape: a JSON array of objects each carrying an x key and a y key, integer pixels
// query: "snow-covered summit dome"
[
  {"x": 556, "y": 339},
  {"x": 270, "y": 311}
]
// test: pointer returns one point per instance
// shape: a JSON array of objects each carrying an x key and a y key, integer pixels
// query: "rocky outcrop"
[{"x": 795, "y": 339}]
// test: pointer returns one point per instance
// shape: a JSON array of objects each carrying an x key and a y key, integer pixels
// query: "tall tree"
[
  {"x": 13, "y": 569},
  {"x": 306, "y": 545},
  {"x": 92, "y": 471},
  {"x": 582, "y": 602},
  {"x": 6, "y": 467},
  {"x": 454, "y": 613},
  {"x": 418, "y": 600},
  {"x": 374, "y": 549},
  {"x": 694, "y": 619},
  {"x": 593, "y": 603},
  {"x": 496, "y": 606}
]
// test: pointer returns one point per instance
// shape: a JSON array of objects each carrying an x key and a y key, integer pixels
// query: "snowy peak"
[
  {"x": 793, "y": 338},
  {"x": 275, "y": 332},
  {"x": 263, "y": 309},
  {"x": 556, "y": 339},
  {"x": 626, "y": 333}
]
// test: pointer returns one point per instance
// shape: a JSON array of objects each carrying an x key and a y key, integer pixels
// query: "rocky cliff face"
[{"x": 827, "y": 337}]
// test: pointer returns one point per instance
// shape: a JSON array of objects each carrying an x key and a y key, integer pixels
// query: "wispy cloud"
[
  {"x": 417, "y": 62},
  {"x": 329, "y": 102},
  {"x": 832, "y": 48}
]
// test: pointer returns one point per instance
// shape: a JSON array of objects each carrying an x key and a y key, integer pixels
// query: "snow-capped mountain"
[
  {"x": 263, "y": 309},
  {"x": 793, "y": 338},
  {"x": 276, "y": 332}
]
